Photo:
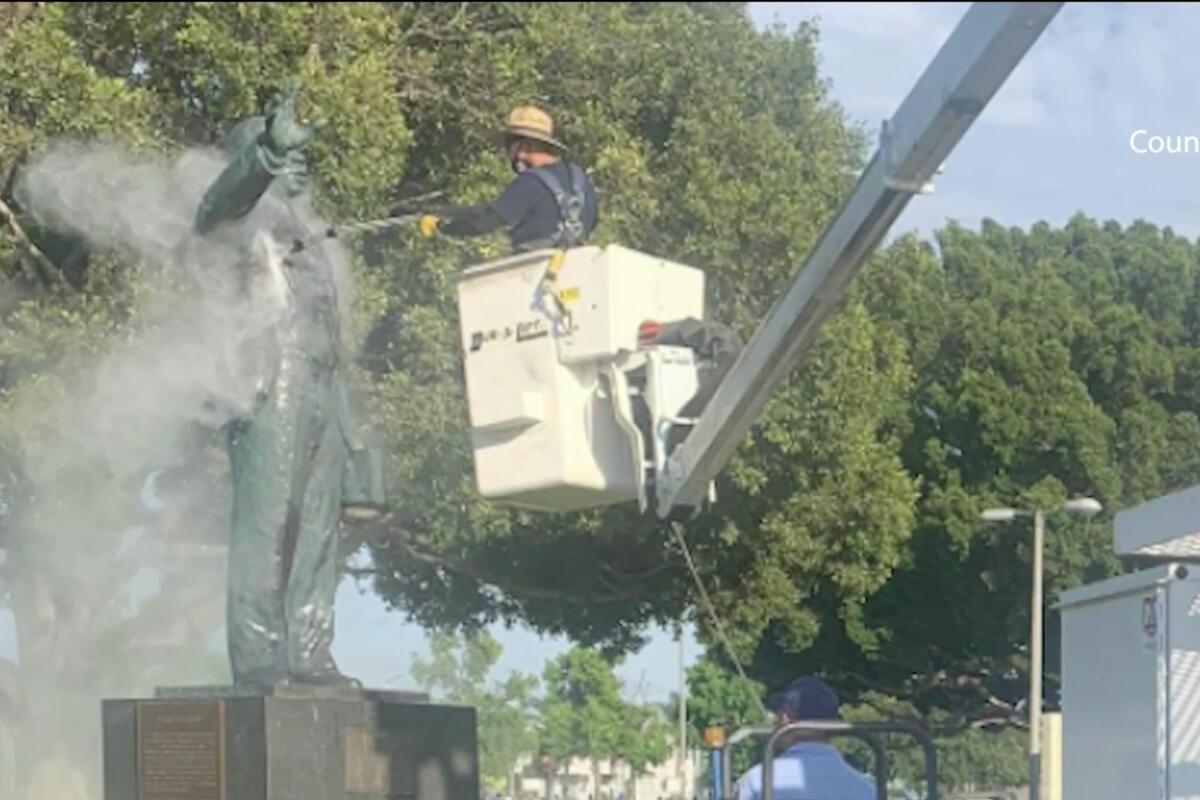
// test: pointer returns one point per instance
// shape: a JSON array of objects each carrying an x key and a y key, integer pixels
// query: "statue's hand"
[{"x": 284, "y": 132}]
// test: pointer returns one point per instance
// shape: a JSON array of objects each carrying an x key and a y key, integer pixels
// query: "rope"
[
  {"x": 370, "y": 226},
  {"x": 677, "y": 529}
]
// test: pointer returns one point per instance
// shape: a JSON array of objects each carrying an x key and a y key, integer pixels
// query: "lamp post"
[
  {"x": 682, "y": 754},
  {"x": 1087, "y": 507}
]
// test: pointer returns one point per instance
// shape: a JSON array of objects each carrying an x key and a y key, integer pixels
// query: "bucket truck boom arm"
[{"x": 980, "y": 54}]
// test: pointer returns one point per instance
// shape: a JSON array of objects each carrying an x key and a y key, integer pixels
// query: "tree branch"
[
  {"x": 50, "y": 272},
  {"x": 645, "y": 575},
  {"x": 389, "y": 533},
  {"x": 991, "y": 711}
]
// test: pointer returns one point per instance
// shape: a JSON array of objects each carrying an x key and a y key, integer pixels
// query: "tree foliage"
[
  {"x": 584, "y": 716},
  {"x": 1049, "y": 363}
]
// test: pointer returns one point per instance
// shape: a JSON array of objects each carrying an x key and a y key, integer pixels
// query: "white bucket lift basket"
[{"x": 553, "y": 373}]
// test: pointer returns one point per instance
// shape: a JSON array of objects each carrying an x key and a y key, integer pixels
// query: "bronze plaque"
[
  {"x": 180, "y": 750},
  {"x": 379, "y": 763}
]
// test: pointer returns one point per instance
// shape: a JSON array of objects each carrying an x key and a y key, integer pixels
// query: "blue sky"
[{"x": 1055, "y": 141}]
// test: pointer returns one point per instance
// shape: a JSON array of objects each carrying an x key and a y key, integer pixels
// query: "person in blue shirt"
[
  {"x": 551, "y": 203},
  {"x": 808, "y": 768}
]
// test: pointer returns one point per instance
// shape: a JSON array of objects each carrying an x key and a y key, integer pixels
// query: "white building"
[{"x": 670, "y": 780}]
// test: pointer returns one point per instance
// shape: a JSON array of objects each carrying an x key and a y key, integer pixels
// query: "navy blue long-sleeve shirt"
[{"x": 526, "y": 209}]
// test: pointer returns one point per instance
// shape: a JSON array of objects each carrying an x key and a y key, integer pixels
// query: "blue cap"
[{"x": 806, "y": 698}]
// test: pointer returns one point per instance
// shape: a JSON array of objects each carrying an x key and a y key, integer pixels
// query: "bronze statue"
[{"x": 296, "y": 463}]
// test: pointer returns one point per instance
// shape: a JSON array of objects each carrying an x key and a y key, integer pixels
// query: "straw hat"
[{"x": 530, "y": 122}]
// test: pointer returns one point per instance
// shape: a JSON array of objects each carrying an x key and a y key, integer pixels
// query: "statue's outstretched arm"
[
  {"x": 269, "y": 149},
  {"x": 236, "y": 191}
]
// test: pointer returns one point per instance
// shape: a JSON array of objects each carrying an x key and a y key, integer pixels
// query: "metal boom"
[{"x": 980, "y": 54}]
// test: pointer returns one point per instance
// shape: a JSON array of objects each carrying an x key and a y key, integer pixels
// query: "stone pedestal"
[{"x": 226, "y": 744}]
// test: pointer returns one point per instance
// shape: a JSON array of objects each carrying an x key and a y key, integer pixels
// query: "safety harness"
[{"x": 571, "y": 230}]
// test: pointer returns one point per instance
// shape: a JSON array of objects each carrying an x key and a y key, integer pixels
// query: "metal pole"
[
  {"x": 1035, "y": 662},
  {"x": 683, "y": 789},
  {"x": 718, "y": 783},
  {"x": 725, "y": 773},
  {"x": 740, "y": 735},
  {"x": 881, "y": 765}
]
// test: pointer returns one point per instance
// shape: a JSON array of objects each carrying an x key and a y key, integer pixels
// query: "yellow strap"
[
  {"x": 548, "y": 281},
  {"x": 555, "y": 266}
]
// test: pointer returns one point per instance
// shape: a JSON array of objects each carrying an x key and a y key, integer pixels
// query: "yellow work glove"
[{"x": 428, "y": 225}]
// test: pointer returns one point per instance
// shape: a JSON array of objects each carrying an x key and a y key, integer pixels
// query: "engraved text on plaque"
[{"x": 179, "y": 748}]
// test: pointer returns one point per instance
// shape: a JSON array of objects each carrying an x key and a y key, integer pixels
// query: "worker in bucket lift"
[
  {"x": 550, "y": 204},
  {"x": 807, "y": 769}
]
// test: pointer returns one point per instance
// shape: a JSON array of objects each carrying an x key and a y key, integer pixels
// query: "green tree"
[
  {"x": 458, "y": 671},
  {"x": 1048, "y": 363},
  {"x": 584, "y": 716},
  {"x": 644, "y": 741}
]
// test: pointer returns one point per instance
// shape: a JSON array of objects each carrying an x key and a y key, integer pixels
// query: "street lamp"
[{"x": 1087, "y": 507}]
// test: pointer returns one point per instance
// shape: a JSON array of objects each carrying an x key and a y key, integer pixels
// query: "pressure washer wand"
[{"x": 370, "y": 226}]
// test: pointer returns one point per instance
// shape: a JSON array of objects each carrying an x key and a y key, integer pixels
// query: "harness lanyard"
[{"x": 562, "y": 240}]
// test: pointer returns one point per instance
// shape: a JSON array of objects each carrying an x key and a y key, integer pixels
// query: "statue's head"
[{"x": 243, "y": 134}]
